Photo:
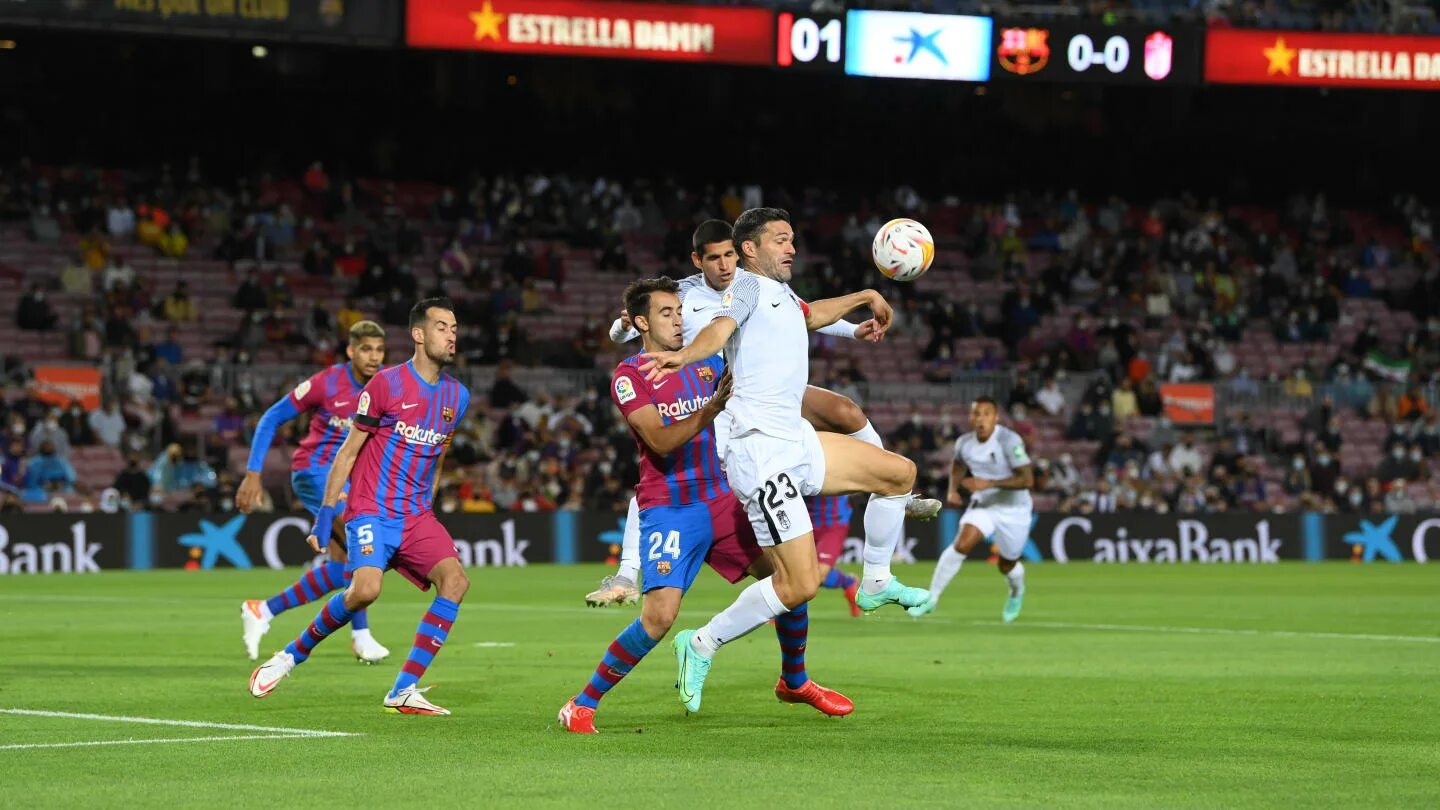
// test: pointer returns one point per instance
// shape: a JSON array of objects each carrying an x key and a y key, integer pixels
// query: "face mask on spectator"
[
  {"x": 1324, "y": 460},
  {"x": 1416, "y": 455},
  {"x": 1356, "y": 497},
  {"x": 1299, "y": 463},
  {"x": 1398, "y": 453},
  {"x": 1340, "y": 487}
]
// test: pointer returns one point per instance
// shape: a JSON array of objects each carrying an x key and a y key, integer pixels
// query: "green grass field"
[{"x": 1295, "y": 685}]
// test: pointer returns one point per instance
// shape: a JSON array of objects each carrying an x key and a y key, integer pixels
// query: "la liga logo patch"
[
  {"x": 363, "y": 407},
  {"x": 624, "y": 390}
]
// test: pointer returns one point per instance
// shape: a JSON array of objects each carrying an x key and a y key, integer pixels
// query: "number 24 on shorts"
[{"x": 666, "y": 544}]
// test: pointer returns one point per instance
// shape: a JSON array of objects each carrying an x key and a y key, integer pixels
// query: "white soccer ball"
[{"x": 903, "y": 249}]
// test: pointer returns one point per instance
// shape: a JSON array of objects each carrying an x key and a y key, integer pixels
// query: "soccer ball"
[{"x": 903, "y": 249}]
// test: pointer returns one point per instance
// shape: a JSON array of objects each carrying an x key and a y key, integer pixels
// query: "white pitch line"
[
  {"x": 494, "y": 644},
  {"x": 1213, "y": 631},
  {"x": 89, "y": 743},
  {"x": 155, "y": 721}
]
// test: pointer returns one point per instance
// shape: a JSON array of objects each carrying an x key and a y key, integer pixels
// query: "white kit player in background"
[
  {"x": 701, "y": 296},
  {"x": 992, "y": 465},
  {"x": 774, "y": 457}
]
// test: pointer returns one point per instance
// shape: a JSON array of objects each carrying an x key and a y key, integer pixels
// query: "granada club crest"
[
  {"x": 1024, "y": 51},
  {"x": 707, "y": 374},
  {"x": 447, "y": 413}
]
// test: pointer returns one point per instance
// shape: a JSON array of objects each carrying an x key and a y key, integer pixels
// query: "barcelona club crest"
[
  {"x": 663, "y": 567},
  {"x": 707, "y": 374},
  {"x": 447, "y": 413},
  {"x": 1024, "y": 51}
]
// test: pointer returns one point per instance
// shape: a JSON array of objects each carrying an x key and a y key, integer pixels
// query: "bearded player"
[
  {"x": 774, "y": 457},
  {"x": 403, "y": 424},
  {"x": 688, "y": 514},
  {"x": 703, "y": 295},
  {"x": 330, "y": 398},
  {"x": 992, "y": 465}
]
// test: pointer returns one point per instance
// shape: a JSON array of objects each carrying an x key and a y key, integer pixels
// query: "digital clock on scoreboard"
[{"x": 810, "y": 41}]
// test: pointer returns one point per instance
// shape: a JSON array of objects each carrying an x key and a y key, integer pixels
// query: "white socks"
[
  {"x": 630, "y": 544},
  {"x": 868, "y": 434},
  {"x": 884, "y": 521},
  {"x": 945, "y": 570},
  {"x": 265, "y": 610},
  {"x": 1016, "y": 578},
  {"x": 756, "y": 605},
  {"x": 360, "y": 634}
]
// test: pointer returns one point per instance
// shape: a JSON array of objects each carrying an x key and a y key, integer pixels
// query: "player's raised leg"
[
  {"x": 854, "y": 466},
  {"x": 830, "y": 412},
  {"x": 620, "y": 588}
]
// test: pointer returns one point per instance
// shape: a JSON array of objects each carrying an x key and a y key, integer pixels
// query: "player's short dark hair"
[
  {"x": 420, "y": 313},
  {"x": 710, "y": 232},
  {"x": 637, "y": 295},
  {"x": 984, "y": 400},
  {"x": 366, "y": 329},
  {"x": 752, "y": 223}
]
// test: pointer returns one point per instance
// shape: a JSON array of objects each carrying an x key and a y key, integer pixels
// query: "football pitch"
[{"x": 1198, "y": 686}]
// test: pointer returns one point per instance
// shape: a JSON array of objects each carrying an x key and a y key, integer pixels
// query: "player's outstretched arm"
[
  {"x": 659, "y": 365},
  {"x": 827, "y": 311},
  {"x": 1020, "y": 478},
  {"x": 335, "y": 485},
  {"x": 250, "y": 492},
  {"x": 663, "y": 439},
  {"x": 955, "y": 496}
]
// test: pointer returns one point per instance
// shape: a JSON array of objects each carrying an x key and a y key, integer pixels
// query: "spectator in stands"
[
  {"x": 177, "y": 470},
  {"x": 1185, "y": 459},
  {"x": 44, "y": 227},
  {"x": 173, "y": 242},
  {"x": 505, "y": 393},
  {"x": 34, "y": 312},
  {"x": 250, "y": 296},
  {"x": 1428, "y": 436},
  {"x": 230, "y": 423},
  {"x": 178, "y": 307},
  {"x": 1297, "y": 478},
  {"x": 1249, "y": 488},
  {"x": 1415, "y": 467},
  {"x": 133, "y": 484},
  {"x": 76, "y": 278},
  {"x": 1123, "y": 402},
  {"x": 108, "y": 424},
  {"x": 47, "y": 472},
  {"x": 1398, "y": 500},
  {"x": 120, "y": 219},
  {"x": 1412, "y": 405},
  {"x": 1384, "y": 405},
  {"x": 348, "y": 316},
  {"x": 12, "y": 467},
  {"x": 316, "y": 181},
  {"x": 279, "y": 294},
  {"x": 48, "y": 430},
  {"x": 170, "y": 350},
  {"x": 76, "y": 426},
  {"x": 1064, "y": 476},
  {"x": 1050, "y": 398}
]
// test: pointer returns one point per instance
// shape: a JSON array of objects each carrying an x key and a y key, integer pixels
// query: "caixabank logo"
[
  {"x": 1144, "y": 538},
  {"x": 1383, "y": 538},
  {"x": 61, "y": 544}
]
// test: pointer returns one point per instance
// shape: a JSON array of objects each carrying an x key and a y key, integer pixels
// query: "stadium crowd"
[{"x": 1088, "y": 308}]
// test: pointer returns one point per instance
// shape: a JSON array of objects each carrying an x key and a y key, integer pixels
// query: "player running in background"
[
  {"x": 403, "y": 424},
  {"x": 688, "y": 515},
  {"x": 703, "y": 295},
  {"x": 330, "y": 397},
  {"x": 830, "y": 515},
  {"x": 774, "y": 457},
  {"x": 991, "y": 464}
]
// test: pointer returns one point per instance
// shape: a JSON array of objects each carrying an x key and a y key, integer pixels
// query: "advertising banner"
[
  {"x": 62, "y": 544},
  {"x": 61, "y": 385},
  {"x": 1318, "y": 59},
  {"x": 352, "y": 22},
  {"x": 909, "y": 45},
  {"x": 651, "y": 31},
  {"x": 1189, "y": 403},
  {"x": 1093, "y": 52},
  {"x": 201, "y": 542}
]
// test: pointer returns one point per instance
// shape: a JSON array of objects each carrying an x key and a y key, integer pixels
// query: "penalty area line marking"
[
  {"x": 157, "y": 721},
  {"x": 494, "y": 644}
]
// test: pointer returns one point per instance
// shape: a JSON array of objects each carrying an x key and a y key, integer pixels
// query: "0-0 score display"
[{"x": 809, "y": 41}]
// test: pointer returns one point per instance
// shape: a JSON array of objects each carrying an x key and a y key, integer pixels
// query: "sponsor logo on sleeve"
[
  {"x": 624, "y": 390},
  {"x": 302, "y": 389},
  {"x": 363, "y": 408}
]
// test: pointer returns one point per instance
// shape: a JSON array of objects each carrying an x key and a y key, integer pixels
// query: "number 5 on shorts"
[
  {"x": 668, "y": 544},
  {"x": 366, "y": 535}
]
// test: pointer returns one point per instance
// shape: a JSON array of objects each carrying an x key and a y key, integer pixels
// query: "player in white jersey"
[
  {"x": 992, "y": 465},
  {"x": 774, "y": 457},
  {"x": 701, "y": 297}
]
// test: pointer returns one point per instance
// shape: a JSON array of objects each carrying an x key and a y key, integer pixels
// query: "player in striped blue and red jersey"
[
  {"x": 830, "y": 515},
  {"x": 329, "y": 397},
  {"x": 687, "y": 513},
  {"x": 403, "y": 424}
]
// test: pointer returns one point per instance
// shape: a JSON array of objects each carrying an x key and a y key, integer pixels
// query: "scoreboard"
[{"x": 810, "y": 41}]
